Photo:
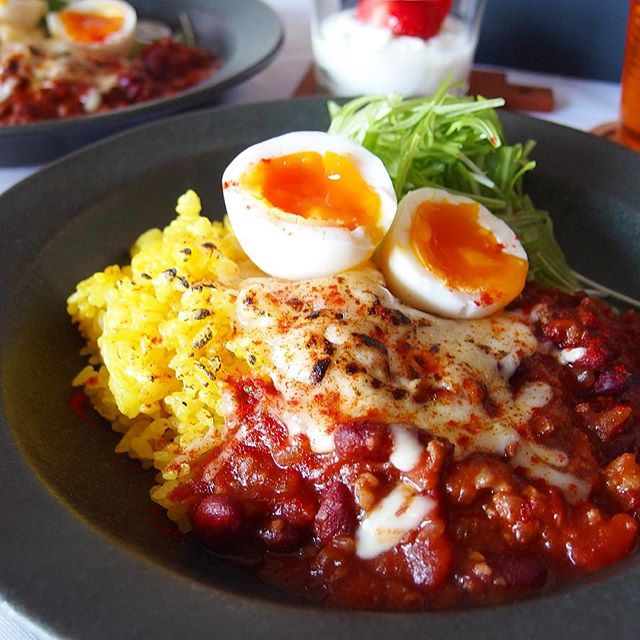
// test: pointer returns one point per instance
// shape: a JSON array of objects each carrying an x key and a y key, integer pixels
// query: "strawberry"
[{"x": 420, "y": 18}]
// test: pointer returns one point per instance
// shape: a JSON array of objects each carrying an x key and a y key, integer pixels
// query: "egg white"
[
  {"x": 422, "y": 288},
  {"x": 117, "y": 43},
  {"x": 290, "y": 246}
]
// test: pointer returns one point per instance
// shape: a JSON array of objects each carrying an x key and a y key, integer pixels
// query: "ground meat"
[{"x": 488, "y": 532}]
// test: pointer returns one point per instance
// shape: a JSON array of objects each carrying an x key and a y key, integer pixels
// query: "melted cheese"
[
  {"x": 44, "y": 61},
  {"x": 569, "y": 356},
  {"x": 399, "y": 512},
  {"x": 342, "y": 348},
  {"x": 406, "y": 447}
]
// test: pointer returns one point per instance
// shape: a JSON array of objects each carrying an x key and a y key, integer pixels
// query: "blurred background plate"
[
  {"x": 83, "y": 552},
  {"x": 244, "y": 34}
]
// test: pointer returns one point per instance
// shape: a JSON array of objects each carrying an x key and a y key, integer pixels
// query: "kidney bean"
[
  {"x": 216, "y": 519},
  {"x": 281, "y": 535},
  {"x": 519, "y": 570},
  {"x": 336, "y": 515},
  {"x": 363, "y": 441},
  {"x": 612, "y": 381}
]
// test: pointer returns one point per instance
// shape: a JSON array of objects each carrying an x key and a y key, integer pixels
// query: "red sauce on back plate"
[{"x": 84, "y": 85}]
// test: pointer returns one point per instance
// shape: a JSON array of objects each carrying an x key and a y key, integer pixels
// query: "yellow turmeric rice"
[{"x": 158, "y": 336}]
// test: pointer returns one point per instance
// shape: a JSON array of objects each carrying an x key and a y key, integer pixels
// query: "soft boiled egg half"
[
  {"x": 105, "y": 27},
  {"x": 308, "y": 204},
  {"x": 450, "y": 255}
]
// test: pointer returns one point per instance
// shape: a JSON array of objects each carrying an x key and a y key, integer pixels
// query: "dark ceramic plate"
[
  {"x": 82, "y": 552},
  {"x": 244, "y": 34}
]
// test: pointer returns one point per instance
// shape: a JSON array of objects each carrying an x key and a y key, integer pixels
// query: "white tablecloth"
[{"x": 581, "y": 104}]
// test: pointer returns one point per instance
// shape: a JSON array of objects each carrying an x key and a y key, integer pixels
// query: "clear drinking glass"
[
  {"x": 357, "y": 52},
  {"x": 630, "y": 103}
]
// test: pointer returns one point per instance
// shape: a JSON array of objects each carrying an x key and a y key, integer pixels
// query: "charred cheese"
[{"x": 343, "y": 348}]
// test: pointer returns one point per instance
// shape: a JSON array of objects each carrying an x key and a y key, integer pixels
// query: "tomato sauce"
[{"x": 494, "y": 534}]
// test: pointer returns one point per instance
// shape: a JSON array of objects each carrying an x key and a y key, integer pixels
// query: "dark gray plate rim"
[
  {"x": 77, "y": 578},
  {"x": 245, "y": 34}
]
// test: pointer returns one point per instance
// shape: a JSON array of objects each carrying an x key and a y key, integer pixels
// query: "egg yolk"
[
  {"x": 328, "y": 188},
  {"x": 90, "y": 27},
  {"x": 449, "y": 240}
]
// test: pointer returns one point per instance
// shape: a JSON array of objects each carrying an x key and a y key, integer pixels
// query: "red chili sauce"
[
  {"x": 495, "y": 536},
  {"x": 95, "y": 85}
]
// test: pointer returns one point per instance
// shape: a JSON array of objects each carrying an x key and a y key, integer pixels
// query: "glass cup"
[
  {"x": 630, "y": 103},
  {"x": 393, "y": 46}
]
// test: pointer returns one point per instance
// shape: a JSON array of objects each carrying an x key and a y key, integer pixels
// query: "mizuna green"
[{"x": 457, "y": 143}]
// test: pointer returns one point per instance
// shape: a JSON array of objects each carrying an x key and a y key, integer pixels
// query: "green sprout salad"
[{"x": 457, "y": 143}]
